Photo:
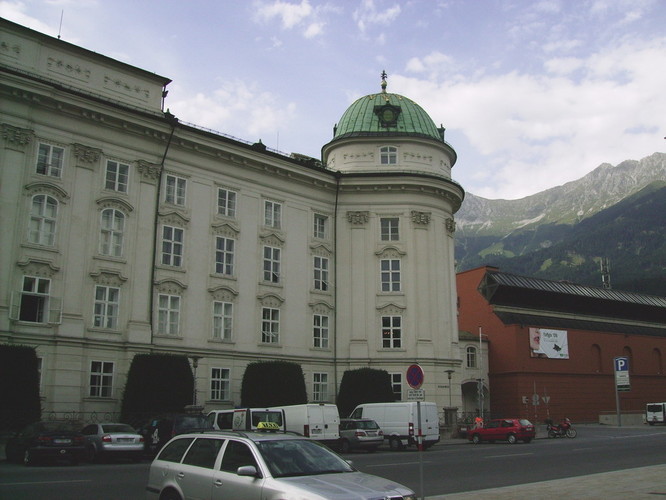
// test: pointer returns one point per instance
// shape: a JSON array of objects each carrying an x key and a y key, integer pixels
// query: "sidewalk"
[{"x": 637, "y": 484}]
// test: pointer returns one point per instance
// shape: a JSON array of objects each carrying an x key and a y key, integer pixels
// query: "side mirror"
[{"x": 247, "y": 470}]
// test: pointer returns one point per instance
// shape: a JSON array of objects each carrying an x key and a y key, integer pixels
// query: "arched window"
[
  {"x": 112, "y": 231},
  {"x": 43, "y": 214},
  {"x": 471, "y": 357},
  {"x": 388, "y": 155}
]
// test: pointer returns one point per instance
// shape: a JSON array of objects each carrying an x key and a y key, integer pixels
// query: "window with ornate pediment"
[
  {"x": 270, "y": 325},
  {"x": 175, "y": 190},
  {"x": 225, "y": 250},
  {"x": 321, "y": 265},
  {"x": 390, "y": 275},
  {"x": 320, "y": 331},
  {"x": 112, "y": 232},
  {"x": 106, "y": 307},
  {"x": 116, "y": 176},
  {"x": 223, "y": 320},
  {"x": 43, "y": 218},
  {"x": 391, "y": 332},
  {"x": 172, "y": 246},
  {"x": 226, "y": 202},
  {"x": 389, "y": 229},
  {"x": 168, "y": 314},
  {"x": 272, "y": 258}
]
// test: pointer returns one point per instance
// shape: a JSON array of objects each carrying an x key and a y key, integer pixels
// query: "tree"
[
  {"x": 273, "y": 383},
  {"x": 19, "y": 386},
  {"x": 364, "y": 385},
  {"x": 156, "y": 383}
]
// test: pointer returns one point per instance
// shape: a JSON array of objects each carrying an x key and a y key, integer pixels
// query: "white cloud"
[
  {"x": 289, "y": 14},
  {"x": 368, "y": 14}
]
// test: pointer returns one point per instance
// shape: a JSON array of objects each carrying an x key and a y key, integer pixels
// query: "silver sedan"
[{"x": 112, "y": 439}]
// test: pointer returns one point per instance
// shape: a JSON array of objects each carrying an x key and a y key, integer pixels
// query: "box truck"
[
  {"x": 400, "y": 423},
  {"x": 318, "y": 421}
]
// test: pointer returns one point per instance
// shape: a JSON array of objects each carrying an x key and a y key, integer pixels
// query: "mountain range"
[{"x": 614, "y": 215}]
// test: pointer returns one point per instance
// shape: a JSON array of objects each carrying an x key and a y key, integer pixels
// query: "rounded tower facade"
[{"x": 396, "y": 300}]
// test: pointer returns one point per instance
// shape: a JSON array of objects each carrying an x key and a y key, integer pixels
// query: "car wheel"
[
  {"x": 344, "y": 446},
  {"x": 170, "y": 495},
  {"x": 511, "y": 438},
  {"x": 395, "y": 444},
  {"x": 476, "y": 439}
]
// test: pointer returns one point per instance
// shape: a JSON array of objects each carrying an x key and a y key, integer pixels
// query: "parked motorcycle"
[{"x": 563, "y": 429}]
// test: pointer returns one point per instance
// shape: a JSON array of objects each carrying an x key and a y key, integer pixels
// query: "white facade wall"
[{"x": 105, "y": 110}]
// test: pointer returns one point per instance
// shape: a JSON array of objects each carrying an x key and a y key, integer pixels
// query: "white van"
[
  {"x": 400, "y": 423},
  {"x": 244, "y": 419},
  {"x": 318, "y": 421},
  {"x": 655, "y": 413}
]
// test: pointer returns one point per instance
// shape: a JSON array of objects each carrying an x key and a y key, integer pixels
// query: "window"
[
  {"x": 168, "y": 311},
  {"x": 236, "y": 455},
  {"x": 389, "y": 229},
  {"x": 101, "y": 379},
  {"x": 270, "y": 325},
  {"x": 222, "y": 320},
  {"x": 471, "y": 357},
  {"x": 226, "y": 202},
  {"x": 320, "y": 331},
  {"x": 50, "y": 160},
  {"x": 175, "y": 190},
  {"x": 43, "y": 213},
  {"x": 320, "y": 387},
  {"x": 271, "y": 264},
  {"x": 224, "y": 255},
  {"x": 321, "y": 273},
  {"x": 320, "y": 226},
  {"x": 172, "y": 246},
  {"x": 396, "y": 385},
  {"x": 219, "y": 384},
  {"x": 117, "y": 176},
  {"x": 111, "y": 237},
  {"x": 388, "y": 155},
  {"x": 107, "y": 303},
  {"x": 203, "y": 453},
  {"x": 390, "y": 275},
  {"x": 272, "y": 214},
  {"x": 34, "y": 299},
  {"x": 391, "y": 332}
]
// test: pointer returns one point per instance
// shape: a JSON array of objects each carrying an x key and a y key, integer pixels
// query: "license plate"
[
  {"x": 125, "y": 440},
  {"x": 62, "y": 441}
]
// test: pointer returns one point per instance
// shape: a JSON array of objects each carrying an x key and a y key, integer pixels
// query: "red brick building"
[{"x": 551, "y": 345}]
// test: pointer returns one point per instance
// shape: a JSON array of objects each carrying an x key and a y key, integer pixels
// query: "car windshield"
[
  {"x": 187, "y": 422},
  {"x": 300, "y": 457},
  {"x": 524, "y": 421},
  {"x": 118, "y": 428}
]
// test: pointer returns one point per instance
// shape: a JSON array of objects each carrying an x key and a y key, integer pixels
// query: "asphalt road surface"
[{"x": 450, "y": 467}]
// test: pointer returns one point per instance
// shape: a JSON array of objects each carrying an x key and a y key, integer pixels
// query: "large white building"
[{"x": 125, "y": 231}]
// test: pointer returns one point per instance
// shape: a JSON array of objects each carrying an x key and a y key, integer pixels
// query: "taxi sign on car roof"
[{"x": 268, "y": 426}]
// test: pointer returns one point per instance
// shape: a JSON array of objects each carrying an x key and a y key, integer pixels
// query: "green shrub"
[
  {"x": 19, "y": 387},
  {"x": 273, "y": 383},
  {"x": 156, "y": 383},
  {"x": 364, "y": 385}
]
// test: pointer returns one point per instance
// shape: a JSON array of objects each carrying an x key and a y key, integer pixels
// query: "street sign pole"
[{"x": 622, "y": 383}]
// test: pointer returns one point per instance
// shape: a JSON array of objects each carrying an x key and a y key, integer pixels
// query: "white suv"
[{"x": 260, "y": 465}]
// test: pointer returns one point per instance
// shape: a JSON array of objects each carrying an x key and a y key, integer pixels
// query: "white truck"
[
  {"x": 655, "y": 413},
  {"x": 244, "y": 419},
  {"x": 318, "y": 421},
  {"x": 400, "y": 422}
]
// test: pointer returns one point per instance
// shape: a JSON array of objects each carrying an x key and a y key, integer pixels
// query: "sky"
[{"x": 533, "y": 94}]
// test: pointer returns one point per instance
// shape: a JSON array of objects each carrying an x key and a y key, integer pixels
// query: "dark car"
[
  {"x": 112, "y": 439},
  {"x": 360, "y": 433},
  {"x": 46, "y": 440},
  {"x": 503, "y": 429},
  {"x": 157, "y": 431}
]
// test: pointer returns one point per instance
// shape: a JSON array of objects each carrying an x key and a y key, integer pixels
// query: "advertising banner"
[{"x": 548, "y": 343}]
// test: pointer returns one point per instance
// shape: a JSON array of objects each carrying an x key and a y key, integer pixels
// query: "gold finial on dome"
[{"x": 384, "y": 75}]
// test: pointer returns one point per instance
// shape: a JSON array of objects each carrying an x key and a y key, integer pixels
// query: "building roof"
[
  {"x": 385, "y": 114},
  {"x": 533, "y": 301}
]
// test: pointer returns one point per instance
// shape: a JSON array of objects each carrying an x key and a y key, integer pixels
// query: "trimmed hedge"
[
  {"x": 157, "y": 383},
  {"x": 364, "y": 385},
  {"x": 273, "y": 383},
  {"x": 19, "y": 387}
]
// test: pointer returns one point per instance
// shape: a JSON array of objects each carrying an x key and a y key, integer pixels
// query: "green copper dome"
[{"x": 385, "y": 115}]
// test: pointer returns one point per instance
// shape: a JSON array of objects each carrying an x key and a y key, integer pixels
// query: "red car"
[{"x": 503, "y": 429}]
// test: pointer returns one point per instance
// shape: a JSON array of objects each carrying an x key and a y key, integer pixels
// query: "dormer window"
[{"x": 388, "y": 155}]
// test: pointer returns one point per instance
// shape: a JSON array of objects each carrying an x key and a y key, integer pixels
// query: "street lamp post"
[
  {"x": 195, "y": 364},
  {"x": 449, "y": 373}
]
